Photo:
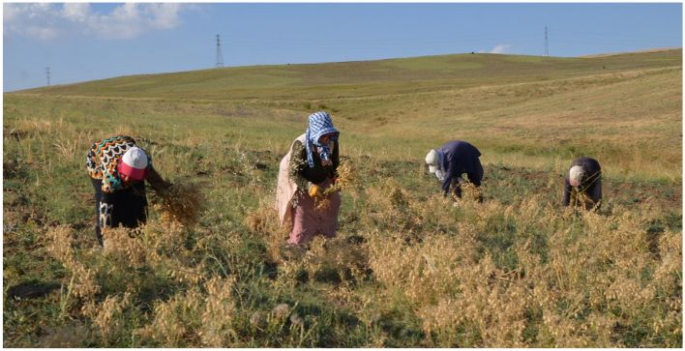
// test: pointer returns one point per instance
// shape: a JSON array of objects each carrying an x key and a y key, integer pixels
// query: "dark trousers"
[
  {"x": 588, "y": 194},
  {"x": 590, "y": 197},
  {"x": 130, "y": 206},
  {"x": 474, "y": 177}
]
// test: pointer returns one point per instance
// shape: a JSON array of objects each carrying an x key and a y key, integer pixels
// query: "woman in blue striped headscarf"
[{"x": 309, "y": 168}]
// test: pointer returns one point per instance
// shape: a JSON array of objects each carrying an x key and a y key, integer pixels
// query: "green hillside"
[
  {"x": 358, "y": 79},
  {"x": 510, "y": 105}
]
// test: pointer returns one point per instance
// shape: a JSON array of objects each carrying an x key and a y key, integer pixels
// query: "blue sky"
[{"x": 90, "y": 41}]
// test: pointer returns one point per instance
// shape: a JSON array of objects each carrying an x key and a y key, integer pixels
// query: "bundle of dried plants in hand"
[
  {"x": 181, "y": 202},
  {"x": 345, "y": 180}
]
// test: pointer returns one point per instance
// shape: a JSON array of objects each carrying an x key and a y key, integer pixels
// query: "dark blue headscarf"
[{"x": 320, "y": 124}]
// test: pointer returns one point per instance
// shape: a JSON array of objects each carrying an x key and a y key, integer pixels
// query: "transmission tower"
[
  {"x": 546, "y": 43},
  {"x": 47, "y": 72},
  {"x": 219, "y": 57}
]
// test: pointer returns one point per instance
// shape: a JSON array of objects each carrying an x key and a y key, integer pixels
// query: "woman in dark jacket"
[
  {"x": 583, "y": 184},
  {"x": 452, "y": 160}
]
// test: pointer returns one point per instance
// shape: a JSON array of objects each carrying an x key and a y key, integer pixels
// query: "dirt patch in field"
[
  {"x": 31, "y": 289},
  {"x": 663, "y": 195},
  {"x": 666, "y": 196}
]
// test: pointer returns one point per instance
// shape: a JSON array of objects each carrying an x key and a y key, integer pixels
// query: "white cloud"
[
  {"x": 33, "y": 20},
  {"x": 499, "y": 49},
  {"x": 76, "y": 11},
  {"x": 10, "y": 12},
  {"x": 124, "y": 22},
  {"x": 164, "y": 16},
  {"x": 47, "y": 21},
  {"x": 42, "y": 33}
]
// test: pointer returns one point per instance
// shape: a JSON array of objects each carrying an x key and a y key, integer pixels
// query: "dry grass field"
[{"x": 407, "y": 269}]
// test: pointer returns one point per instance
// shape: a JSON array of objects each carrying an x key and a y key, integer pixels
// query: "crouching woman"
[
  {"x": 583, "y": 184},
  {"x": 118, "y": 169},
  {"x": 305, "y": 173}
]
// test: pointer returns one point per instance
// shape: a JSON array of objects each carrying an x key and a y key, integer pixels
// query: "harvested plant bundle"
[
  {"x": 345, "y": 180},
  {"x": 182, "y": 202},
  {"x": 470, "y": 193}
]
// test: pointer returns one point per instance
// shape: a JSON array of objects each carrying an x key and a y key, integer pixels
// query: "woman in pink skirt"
[{"x": 309, "y": 168}]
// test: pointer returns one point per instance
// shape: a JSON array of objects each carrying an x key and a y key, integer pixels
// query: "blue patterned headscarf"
[{"x": 320, "y": 124}]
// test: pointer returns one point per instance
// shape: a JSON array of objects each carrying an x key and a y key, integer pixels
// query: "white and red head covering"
[{"x": 134, "y": 164}]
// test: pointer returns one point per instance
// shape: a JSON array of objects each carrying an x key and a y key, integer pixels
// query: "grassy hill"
[
  {"x": 363, "y": 79},
  {"x": 407, "y": 268},
  {"x": 586, "y": 105}
]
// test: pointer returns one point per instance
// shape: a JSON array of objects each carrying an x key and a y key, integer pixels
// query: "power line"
[{"x": 219, "y": 57}]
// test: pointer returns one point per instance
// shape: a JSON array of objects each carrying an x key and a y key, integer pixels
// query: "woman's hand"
[{"x": 315, "y": 191}]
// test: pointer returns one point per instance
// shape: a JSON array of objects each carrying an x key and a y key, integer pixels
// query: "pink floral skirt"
[{"x": 309, "y": 221}]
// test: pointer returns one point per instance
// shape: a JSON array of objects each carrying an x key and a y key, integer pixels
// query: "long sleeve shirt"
[
  {"x": 460, "y": 157},
  {"x": 104, "y": 157},
  {"x": 302, "y": 174},
  {"x": 590, "y": 185}
]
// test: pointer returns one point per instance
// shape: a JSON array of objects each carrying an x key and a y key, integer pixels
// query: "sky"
[{"x": 63, "y": 43}]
